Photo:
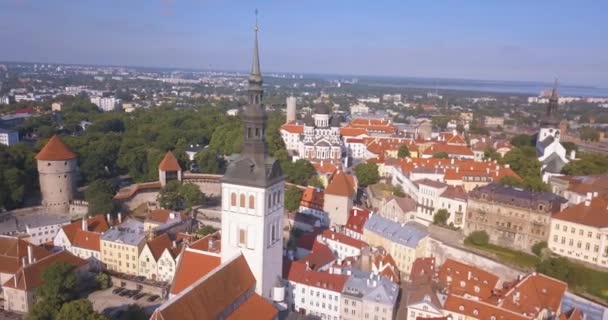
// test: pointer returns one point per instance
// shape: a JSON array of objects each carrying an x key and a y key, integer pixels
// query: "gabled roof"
[
  {"x": 476, "y": 309},
  {"x": 572, "y": 314},
  {"x": 356, "y": 219},
  {"x": 423, "y": 270},
  {"x": 30, "y": 277},
  {"x": 209, "y": 243},
  {"x": 329, "y": 235},
  {"x": 219, "y": 294},
  {"x": 55, "y": 150},
  {"x": 423, "y": 293},
  {"x": 96, "y": 224},
  {"x": 169, "y": 163},
  {"x": 158, "y": 245},
  {"x": 455, "y": 193},
  {"x": 299, "y": 273},
  {"x": 192, "y": 266},
  {"x": 164, "y": 216},
  {"x": 341, "y": 184},
  {"x": 12, "y": 252}
]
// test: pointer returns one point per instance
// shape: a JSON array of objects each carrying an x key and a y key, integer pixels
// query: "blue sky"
[{"x": 502, "y": 40}]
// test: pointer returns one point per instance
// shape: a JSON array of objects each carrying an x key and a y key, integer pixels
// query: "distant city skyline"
[{"x": 515, "y": 40}]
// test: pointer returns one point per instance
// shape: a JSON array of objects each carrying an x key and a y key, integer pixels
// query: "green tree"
[
  {"x": 491, "y": 154},
  {"x": 191, "y": 194},
  {"x": 441, "y": 217},
  {"x": 59, "y": 284},
  {"x": 403, "y": 152},
  {"x": 316, "y": 182},
  {"x": 589, "y": 134},
  {"x": 569, "y": 146},
  {"x": 207, "y": 161},
  {"x": 587, "y": 164},
  {"x": 205, "y": 230},
  {"x": 78, "y": 309},
  {"x": 524, "y": 162},
  {"x": 103, "y": 280},
  {"x": 523, "y": 140},
  {"x": 441, "y": 155},
  {"x": 293, "y": 195},
  {"x": 538, "y": 248},
  {"x": 478, "y": 238},
  {"x": 298, "y": 172},
  {"x": 398, "y": 191},
  {"x": 367, "y": 173},
  {"x": 99, "y": 195},
  {"x": 169, "y": 197}
]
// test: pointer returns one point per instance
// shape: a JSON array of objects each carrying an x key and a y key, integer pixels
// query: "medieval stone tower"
[{"x": 57, "y": 173}]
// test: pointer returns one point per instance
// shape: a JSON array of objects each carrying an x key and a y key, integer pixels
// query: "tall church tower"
[
  {"x": 253, "y": 195},
  {"x": 549, "y": 124}
]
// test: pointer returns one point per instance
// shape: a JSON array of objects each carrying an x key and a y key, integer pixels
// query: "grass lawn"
[
  {"x": 589, "y": 281},
  {"x": 508, "y": 256}
]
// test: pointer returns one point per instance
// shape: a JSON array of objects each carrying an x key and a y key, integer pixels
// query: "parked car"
[
  {"x": 153, "y": 298},
  {"x": 139, "y": 296},
  {"x": 124, "y": 293},
  {"x": 132, "y": 293},
  {"x": 118, "y": 290}
]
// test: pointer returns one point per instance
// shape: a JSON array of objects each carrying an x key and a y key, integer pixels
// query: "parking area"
[{"x": 111, "y": 301}]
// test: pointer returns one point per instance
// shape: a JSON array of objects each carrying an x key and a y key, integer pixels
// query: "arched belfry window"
[
  {"x": 251, "y": 202},
  {"x": 242, "y": 201},
  {"x": 233, "y": 199}
]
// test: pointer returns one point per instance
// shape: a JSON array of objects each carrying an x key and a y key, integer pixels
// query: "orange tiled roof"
[
  {"x": 293, "y": 128},
  {"x": 158, "y": 245},
  {"x": 478, "y": 309},
  {"x": 55, "y": 150},
  {"x": 213, "y": 296},
  {"x": 210, "y": 243},
  {"x": 255, "y": 305},
  {"x": 572, "y": 314},
  {"x": 163, "y": 215},
  {"x": 30, "y": 277},
  {"x": 192, "y": 266},
  {"x": 341, "y": 184},
  {"x": 352, "y": 132},
  {"x": 96, "y": 224},
  {"x": 423, "y": 270},
  {"x": 87, "y": 240},
  {"x": 461, "y": 278},
  {"x": 534, "y": 293},
  {"x": 450, "y": 149},
  {"x": 595, "y": 214},
  {"x": 12, "y": 252},
  {"x": 312, "y": 198},
  {"x": 169, "y": 163},
  {"x": 324, "y": 167}
]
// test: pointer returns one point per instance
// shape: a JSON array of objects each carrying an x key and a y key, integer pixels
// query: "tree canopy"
[
  {"x": 441, "y": 217},
  {"x": 99, "y": 195},
  {"x": 293, "y": 195},
  {"x": 59, "y": 286},
  {"x": 587, "y": 164},
  {"x": 524, "y": 162},
  {"x": 178, "y": 196},
  {"x": 367, "y": 173},
  {"x": 78, "y": 309},
  {"x": 441, "y": 155},
  {"x": 403, "y": 152}
]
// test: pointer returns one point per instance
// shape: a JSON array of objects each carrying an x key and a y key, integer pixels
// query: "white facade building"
[
  {"x": 105, "y": 103},
  {"x": 8, "y": 137}
]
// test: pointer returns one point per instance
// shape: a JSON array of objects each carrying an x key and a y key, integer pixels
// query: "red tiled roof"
[
  {"x": 478, "y": 309},
  {"x": 87, "y": 240},
  {"x": 192, "y": 266},
  {"x": 461, "y": 278},
  {"x": 456, "y": 193},
  {"x": 312, "y": 198},
  {"x": 320, "y": 256},
  {"x": 572, "y": 314},
  {"x": 12, "y": 252},
  {"x": 356, "y": 219},
  {"x": 163, "y": 215},
  {"x": 95, "y": 224},
  {"x": 210, "y": 243},
  {"x": 293, "y": 128},
  {"x": 298, "y": 273},
  {"x": 55, "y": 150},
  {"x": 450, "y": 149},
  {"x": 130, "y": 191},
  {"x": 344, "y": 239},
  {"x": 341, "y": 184},
  {"x": 352, "y": 132},
  {"x": 307, "y": 240},
  {"x": 30, "y": 277},
  {"x": 534, "y": 293},
  {"x": 158, "y": 245},
  {"x": 324, "y": 167},
  {"x": 423, "y": 270},
  {"x": 595, "y": 214},
  {"x": 169, "y": 163},
  {"x": 387, "y": 267},
  {"x": 213, "y": 296},
  {"x": 255, "y": 305}
]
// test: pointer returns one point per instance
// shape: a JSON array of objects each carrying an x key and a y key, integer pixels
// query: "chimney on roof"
[
  {"x": 307, "y": 266},
  {"x": 24, "y": 261},
  {"x": 85, "y": 222},
  {"x": 108, "y": 218},
  {"x": 588, "y": 199},
  {"x": 30, "y": 254},
  {"x": 119, "y": 218},
  {"x": 172, "y": 215},
  {"x": 15, "y": 278}
]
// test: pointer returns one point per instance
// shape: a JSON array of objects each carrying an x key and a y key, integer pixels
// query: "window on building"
[
  {"x": 251, "y": 202},
  {"x": 233, "y": 199},
  {"x": 242, "y": 201},
  {"x": 242, "y": 237}
]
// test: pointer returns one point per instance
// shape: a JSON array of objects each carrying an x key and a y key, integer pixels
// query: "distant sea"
[{"x": 513, "y": 87}]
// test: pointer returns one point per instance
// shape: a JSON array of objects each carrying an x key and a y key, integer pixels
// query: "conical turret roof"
[
  {"x": 55, "y": 150},
  {"x": 169, "y": 163}
]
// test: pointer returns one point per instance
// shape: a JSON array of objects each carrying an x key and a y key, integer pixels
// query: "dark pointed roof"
[
  {"x": 254, "y": 167},
  {"x": 55, "y": 150},
  {"x": 550, "y": 116}
]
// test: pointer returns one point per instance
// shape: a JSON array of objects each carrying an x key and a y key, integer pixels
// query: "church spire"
[
  {"x": 549, "y": 119},
  {"x": 255, "y": 65}
]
